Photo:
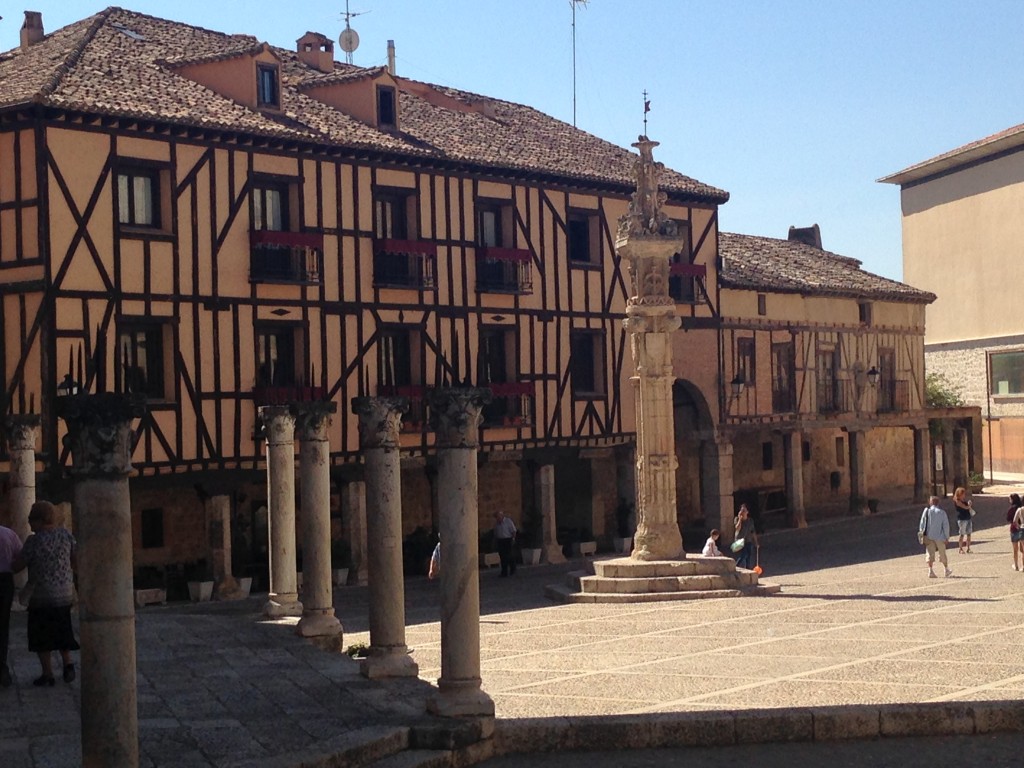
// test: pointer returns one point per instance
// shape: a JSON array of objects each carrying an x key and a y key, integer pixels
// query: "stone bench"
[
  {"x": 584, "y": 548},
  {"x": 150, "y": 597}
]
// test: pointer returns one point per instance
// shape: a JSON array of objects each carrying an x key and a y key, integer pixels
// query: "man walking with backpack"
[{"x": 933, "y": 532}]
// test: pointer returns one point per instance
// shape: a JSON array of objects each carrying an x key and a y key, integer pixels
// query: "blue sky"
[{"x": 795, "y": 107}]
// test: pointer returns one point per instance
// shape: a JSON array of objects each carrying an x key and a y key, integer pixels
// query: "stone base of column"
[
  {"x": 460, "y": 699},
  {"x": 318, "y": 623},
  {"x": 552, "y": 553},
  {"x": 227, "y": 589},
  {"x": 388, "y": 662},
  {"x": 655, "y": 544},
  {"x": 283, "y": 605}
]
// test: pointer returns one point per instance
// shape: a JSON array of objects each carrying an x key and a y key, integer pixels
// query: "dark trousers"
[
  {"x": 508, "y": 565},
  {"x": 6, "y": 600}
]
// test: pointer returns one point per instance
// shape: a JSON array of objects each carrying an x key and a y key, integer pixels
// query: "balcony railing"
[
  {"x": 404, "y": 264},
  {"x": 282, "y": 395},
  {"x": 503, "y": 270},
  {"x": 417, "y": 417},
  {"x": 783, "y": 400},
  {"x": 512, "y": 405},
  {"x": 893, "y": 395},
  {"x": 833, "y": 396},
  {"x": 285, "y": 257}
]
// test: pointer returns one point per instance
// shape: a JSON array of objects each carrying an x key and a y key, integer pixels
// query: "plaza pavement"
[{"x": 858, "y": 623}]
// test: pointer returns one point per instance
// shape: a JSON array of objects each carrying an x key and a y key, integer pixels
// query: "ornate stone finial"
[
  {"x": 278, "y": 424},
  {"x": 645, "y": 216},
  {"x": 22, "y": 430},
  {"x": 455, "y": 415},
  {"x": 312, "y": 418},
  {"x": 380, "y": 420},
  {"x": 99, "y": 432}
]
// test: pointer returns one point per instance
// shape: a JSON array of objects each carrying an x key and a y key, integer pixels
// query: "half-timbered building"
[{"x": 218, "y": 224}]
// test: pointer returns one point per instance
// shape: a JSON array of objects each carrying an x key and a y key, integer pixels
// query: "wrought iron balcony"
[
  {"x": 893, "y": 396},
  {"x": 833, "y": 396},
  {"x": 404, "y": 264},
  {"x": 512, "y": 405},
  {"x": 285, "y": 257},
  {"x": 503, "y": 270}
]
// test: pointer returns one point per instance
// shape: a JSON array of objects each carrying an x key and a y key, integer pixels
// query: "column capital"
[
  {"x": 380, "y": 420},
  {"x": 99, "y": 432},
  {"x": 455, "y": 415},
  {"x": 278, "y": 424},
  {"x": 21, "y": 431},
  {"x": 312, "y": 418}
]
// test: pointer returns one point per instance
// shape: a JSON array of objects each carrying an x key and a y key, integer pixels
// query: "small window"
[
  {"x": 864, "y": 312},
  {"x": 152, "y": 528},
  {"x": 840, "y": 452},
  {"x": 767, "y": 457},
  {"x": 140, "y": 349},
  {"x": 490, "y": 226},
  {"x": 806, "y": 450},
  {"x": 267, "y": 86},
  {"x": 745, "y": 360},
  {"x": 586, "y": 363},
  {"x": 1007, "y": 372},
  {"x": 762, "y": 304},
  {"x": 582, "y": 235},
  {"x": 394, "y": 357},
  {"x": 387, "y": 116},
  {"x": 138, "y": 197}
]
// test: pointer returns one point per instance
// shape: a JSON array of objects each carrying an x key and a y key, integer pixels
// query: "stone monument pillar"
[
  {"x": 545, "y": 482},
  {"x": 100, "y": 438},
  {"x": 312, "y": 420},
  {"x": 456, "y": 416},
  {"x": 646, "y": 241},
  {"x": 353, "y": 505},
  {"x": 280, "y": 429},
  {"x": 379, "y": 424},
  {"x": 21, "y": 445}
]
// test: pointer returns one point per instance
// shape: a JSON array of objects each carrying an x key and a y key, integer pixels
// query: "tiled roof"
[
  {"x": 770, "y": 264},
  {"x": 1011, "y": 138},
  {"x": 127, "y": 64}
]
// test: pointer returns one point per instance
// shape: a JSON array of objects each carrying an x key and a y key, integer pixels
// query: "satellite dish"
[{"x": 348, "y": 40}]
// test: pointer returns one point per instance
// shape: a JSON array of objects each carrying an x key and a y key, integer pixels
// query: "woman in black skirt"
[{"x": 49, "y": 555}]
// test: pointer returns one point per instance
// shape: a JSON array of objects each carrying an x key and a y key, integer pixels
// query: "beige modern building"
[{"x": 963, "y": 240}]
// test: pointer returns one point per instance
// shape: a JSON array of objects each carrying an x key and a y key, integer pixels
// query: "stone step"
[
  {"x": 565, "y": 594},
  {"x": 627, "y": 568},
  {"x": 659, "y": 583},
  {"x": 415, "y": 758},
  {"x": 357, "y": 748}
]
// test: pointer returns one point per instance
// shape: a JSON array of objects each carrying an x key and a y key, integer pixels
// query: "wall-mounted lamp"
[
  {"x": 68, "y": 386},
  {"x": 873, "y": 376},
  {"x": 737, "y": 385}
]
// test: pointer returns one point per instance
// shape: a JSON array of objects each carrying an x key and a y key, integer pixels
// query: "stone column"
[
  {"x": 545, "y": 484},
  {"x": 717, "y": 481},
  {"x": 353, "y": 505},
  {"x": 646, "y": 241},
  {"x": 456, "y": 417},
  {"x": 100, "y": 438},
  {"x": 922, "y": 464},
  {"x": 792, "y": 444},
  {"x": 312, "y": 420},
  {"x": 218, "y": 522},
  {"x": 858, "y": 474},
  {"x": 380, "y": 421},
  {"x": 280, "y": 429},
  {"x": 21, "y": 445}
]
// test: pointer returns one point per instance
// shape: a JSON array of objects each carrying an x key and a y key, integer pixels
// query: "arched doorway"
[{"x": 693, "y": 427}]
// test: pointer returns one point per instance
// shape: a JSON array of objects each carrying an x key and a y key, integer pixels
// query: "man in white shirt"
[
  {"x": 933, "y": 532},
  {"x": 504, "y": 535}
]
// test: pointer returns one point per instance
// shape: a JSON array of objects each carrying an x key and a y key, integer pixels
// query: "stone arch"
[{"x": 693, "y": 427}]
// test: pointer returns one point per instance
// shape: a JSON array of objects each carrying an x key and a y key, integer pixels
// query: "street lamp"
[
  {"x": 737, "y": 385},
  {"x": 68, "y": 386},
  {"x": 873, "y": 376}
]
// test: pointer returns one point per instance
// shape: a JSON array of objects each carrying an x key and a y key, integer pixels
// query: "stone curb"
[{"x": 758, "y": 726}]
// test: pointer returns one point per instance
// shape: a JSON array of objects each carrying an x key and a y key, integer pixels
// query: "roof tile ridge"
[{"x": 76, "y": 53}]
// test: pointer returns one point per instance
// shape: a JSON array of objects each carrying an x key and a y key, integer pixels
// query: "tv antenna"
[
  {"x": 574, "y": 3},
  {"x": 348, "y": 40}
]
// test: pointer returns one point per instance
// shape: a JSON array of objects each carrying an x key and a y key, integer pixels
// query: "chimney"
[
  {"x": 32, "y": 29},
  {"x": 807, "y": 235},
  {"x": 391, "y": 57},
  {"x": 316, "y": 50}
]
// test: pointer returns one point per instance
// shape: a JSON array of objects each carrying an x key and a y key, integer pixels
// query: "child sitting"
[{"x": 711, "y": 545}]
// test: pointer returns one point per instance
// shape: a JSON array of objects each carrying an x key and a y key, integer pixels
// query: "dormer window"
[
  {"x": 268, "y": 92},
  {"x": 387, "y": 115}
]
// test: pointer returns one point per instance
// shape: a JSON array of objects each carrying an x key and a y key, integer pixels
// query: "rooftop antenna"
[
  {"x": 348, "y": 40},
  {"x": 574, "y": 3}
]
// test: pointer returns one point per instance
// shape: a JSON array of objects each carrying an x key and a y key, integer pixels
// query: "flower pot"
[
  {"x": 200, "y": 591},
  {"x": 245, "y": 586},
  {"x": 531, "y": 556}
]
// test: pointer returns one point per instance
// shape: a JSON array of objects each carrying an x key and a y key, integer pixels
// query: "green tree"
[{"x": 940, "y": 393}]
